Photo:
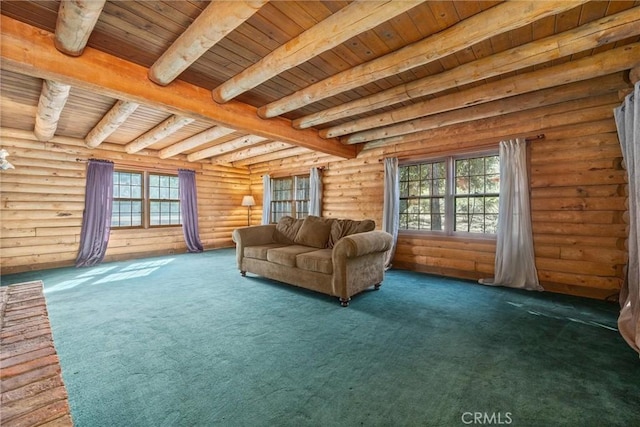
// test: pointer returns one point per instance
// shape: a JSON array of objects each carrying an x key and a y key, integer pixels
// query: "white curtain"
[
  {"x": 628, "y": 123},
  {"x": 315, "y": 192},
  {"x": 391, "y": 210},
  {"x": 515, "y": 260},
  {"x": 266, "y": 199}
]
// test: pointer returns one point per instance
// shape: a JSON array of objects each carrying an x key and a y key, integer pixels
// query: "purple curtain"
[
  {"x": 189, "y": 209},
  {"x": 96, "y": 219}
]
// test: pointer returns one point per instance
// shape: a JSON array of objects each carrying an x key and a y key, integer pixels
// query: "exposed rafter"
[
  {"x": 214, "y": 23},
  {"x": 253, "y": 151},
  {"x": 164, "y": 129},
  {"x": 286, "y": 153},
  {"x": 491, "y": 109},
  {"x": 497, "y": 20},
  {"x": 589, "y": 36},
  {"x": 608, "y": 62},
  {"x": 194, "y": 141},
  {"x": 350, "y": 21},
  {"x": 226, "y": 147},
  {"x": 27, "y": 50},
  {"x": 110, "y": 122},
  {"x": 76, "y": 20},
  {"x": 52, "y": 99}
]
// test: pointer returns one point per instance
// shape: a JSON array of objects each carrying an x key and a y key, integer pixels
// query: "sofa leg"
[
  {"x": 344, "y": 302},
  {"x": 377, "y": 286},
  {"x": 243, "y": 273}
]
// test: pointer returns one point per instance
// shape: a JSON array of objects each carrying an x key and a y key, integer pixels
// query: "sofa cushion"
[
  {"x": 260, "y": 251},
  {"x": 286, "y": 230},
  {"x": 314, "y": 232},
  {"x": 319, "y": 261},
  {"x": 286, "y": 255},
  {"x": 345, "y": 227}
]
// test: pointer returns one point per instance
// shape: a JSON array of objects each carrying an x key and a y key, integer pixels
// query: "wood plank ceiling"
[{"x": 234, "y": 81}]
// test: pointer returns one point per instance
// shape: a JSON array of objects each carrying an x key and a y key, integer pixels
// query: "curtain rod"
[
  {"x": 138, "y": 167},
  {"x": 533, "y": 138},
  {"x": 417, "y": 153}
]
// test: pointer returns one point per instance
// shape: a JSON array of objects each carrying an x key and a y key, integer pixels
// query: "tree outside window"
[{"x": 451, "y": 195}]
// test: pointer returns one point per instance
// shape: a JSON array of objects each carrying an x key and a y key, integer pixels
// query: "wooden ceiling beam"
[
  {"x": 348, "y": 22},
  {"x": 111, "y": 121},
  {"x": 253, "y": 151},
  {"x": 225, "y": 147},
  {"x": 164, "y": 129},
  {"x": 496, "y": 20},
  {"x": 582, "y": 89},
  {"x": 195, "y": 141},
  {"x": 278, "y": 155},
  {"x": 212, "y": 25},
  {"x": 589, "y": 36},
  {"x": 53, "y": 97},
  {"x": 25, "y": 49},
  {"x": 75, "y": 22},
  {"x": 611, "y": 61}
]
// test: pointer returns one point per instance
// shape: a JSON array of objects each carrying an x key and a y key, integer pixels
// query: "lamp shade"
[{"x": 248, "y": 201}]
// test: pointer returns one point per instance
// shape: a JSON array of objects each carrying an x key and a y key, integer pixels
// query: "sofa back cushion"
[
  {"x": 286, "y": 230},
  {"x": 314, "y": 232},
  {"x": 344, "y": 227}
]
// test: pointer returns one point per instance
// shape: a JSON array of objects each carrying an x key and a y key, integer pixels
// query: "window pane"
[
  {"x": 462, "y": 205},
  {"x": 462, "y": 167},
  {"x": 440, "y": 187},
  {"x": 154, "y": 192},
  {"x": 478, "y": 177},
  {"x": 425, "y": 222},
  {"x": 476, "y": 184},
  {"x": 462, "y": 223},
  {"x": 404, "y": 189},
  {"x": 462, "y": 185},
  {"x": 491, "y": 205},
  {"x": 491, "y": 223},
  {"x": 492, "y": 183},
  {"x": 492, "y": 165},
  {"x": 476, "y": 166}
]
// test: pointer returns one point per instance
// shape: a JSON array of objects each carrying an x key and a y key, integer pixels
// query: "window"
[
  {"x": 127, "y": 199},
  {"x": 138, "y": 205},
  {"x": 289, "y": 196},
  {"x": 451, "y": 195},
  {"x": 164, "y": 200}
]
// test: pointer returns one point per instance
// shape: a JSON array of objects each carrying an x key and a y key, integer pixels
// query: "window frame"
[
  {"x": 295, "y": 201},
  {"x": 449, "y": 216},
  {"x": 146, "y": 200},
  {"x": 149, "y": 200},
  {"x": 141, "y": 200}
]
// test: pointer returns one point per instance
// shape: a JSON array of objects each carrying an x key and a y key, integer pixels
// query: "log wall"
[
  {"x": 578, "y": 190},
  {"x": 43, "y": 201}
]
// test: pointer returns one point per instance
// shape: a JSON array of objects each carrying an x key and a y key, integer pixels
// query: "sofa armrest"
[
  {"x": 254, "y": 235},
  {"x": 355, "y": 245},
  {"x": 251, "y": 236}
]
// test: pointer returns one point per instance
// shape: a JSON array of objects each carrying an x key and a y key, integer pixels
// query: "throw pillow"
[
  {"x": 314, "y": 232},
  {"x": 286, "y": 230}
]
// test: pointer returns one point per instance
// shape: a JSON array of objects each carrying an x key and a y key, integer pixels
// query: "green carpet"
[{"x": 184, "y": 340}]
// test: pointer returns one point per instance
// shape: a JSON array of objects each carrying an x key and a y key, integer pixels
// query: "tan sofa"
[{"x": 338, "y": 257}]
